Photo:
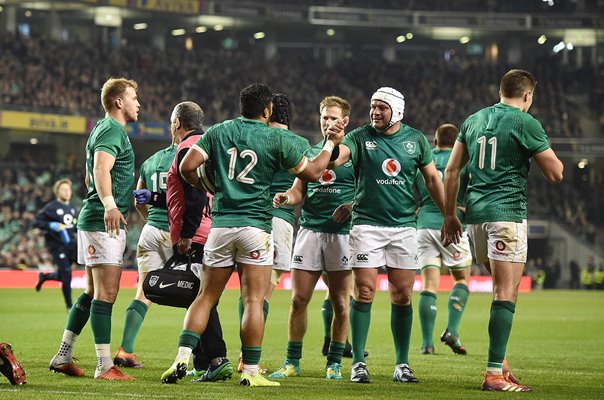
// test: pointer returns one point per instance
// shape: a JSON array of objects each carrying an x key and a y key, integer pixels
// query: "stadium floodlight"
[
  {"x": 559, "y": 47},
  {"x": 464, "y": 39},
  {"x": 201, "y": 29},
  {"x": 542, "y": 39},
  {"x": 140, "y": 26},
  {"x": 569, "y": 46},
  {"x": 1, "y": 9},
  {"x": 330, "y": 32},
  {"x": 178, "y": 32},
  {"x": 400, "y": 38},
  {"x": 108, "y": 16},
  {"x": 409, "y": 35},
  {"x": 259, "y": 35},
  {"x": 218, "y": 27}
]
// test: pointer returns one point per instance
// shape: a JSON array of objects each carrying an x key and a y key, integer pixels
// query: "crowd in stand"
[
  {"x": 64, "y": 77},
  {"x": 578, "y": 207}
]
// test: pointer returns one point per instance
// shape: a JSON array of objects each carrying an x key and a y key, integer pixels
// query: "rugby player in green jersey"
[
  {"x": 154, "y": 247},
  {"x": 497, "y": 144},
  {"x": 321, "y": 246},
  {"x": 246, "y": 154},
  {"x": 432, "y": 254},
  {"x": 283, "y": 217},
  {"x": 386, "y": 155},
  {"x": 102, "y": 228}
]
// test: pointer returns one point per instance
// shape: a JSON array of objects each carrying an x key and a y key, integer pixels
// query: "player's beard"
[{"x": 131, "y": 116}]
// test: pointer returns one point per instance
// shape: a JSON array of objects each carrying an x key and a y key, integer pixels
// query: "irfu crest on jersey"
[{"x": 409, "y": 147}]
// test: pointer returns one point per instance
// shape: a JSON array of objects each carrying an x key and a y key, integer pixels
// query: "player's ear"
[
  {"x": 345, "y": 121},
  {"x": 526, "y": 96},
  {"x": 266, "y": 113},
  {"x": 119, "y": 103}
]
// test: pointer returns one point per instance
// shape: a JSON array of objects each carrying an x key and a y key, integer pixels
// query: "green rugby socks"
[
  {"x": 427, "y": 316},
  {"x": 360, "y": 318},
  {"x": 458, "y": 299},
  {"x": 401, "y": 321},
  {"x": 500, "y": 327},
  {"x": 135, "y": 315}
]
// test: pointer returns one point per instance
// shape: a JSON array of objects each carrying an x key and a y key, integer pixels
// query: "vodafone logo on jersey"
[
  {"x": 328, "y": 177},
  {"x": 391, "y": 167}
]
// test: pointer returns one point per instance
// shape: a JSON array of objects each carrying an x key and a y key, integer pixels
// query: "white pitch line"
[{"x": 90, "y": 393}]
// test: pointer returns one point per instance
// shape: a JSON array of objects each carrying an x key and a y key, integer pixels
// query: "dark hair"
[
  {"x": 281, "y": 109},
  {"x": 190, "y": 115},
  {"x": 254, "y": 99},
  {"x": 446, "y": 135},
  {"x": 515, "y": 82}
]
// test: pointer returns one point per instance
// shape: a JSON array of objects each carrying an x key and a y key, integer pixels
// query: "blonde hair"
[
  {"x": 57, "y": 185},
  {"x": 335, "y": 101},
  {"x": 113, "y": 89}
]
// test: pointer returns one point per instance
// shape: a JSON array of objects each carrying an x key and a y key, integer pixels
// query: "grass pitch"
[{"x": 557, "y": 347}]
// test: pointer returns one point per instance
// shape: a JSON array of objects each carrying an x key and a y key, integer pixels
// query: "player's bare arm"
[
  {"x": 87, "y": 179},
  {"x": 142, "y": 209},
  {"x": 292, "y": 196},
  {"x": 189, "y": 164},
  {"x": 550, "y": 165},
  {"x": 311, "y": 170},
  {"x": 343, "y": 158},
  {"x": 434, "y": 184},
  {"x": 452, "y": 230},
  {"x": 342, "y": 213},
  {"x": 103, "y": 163}
]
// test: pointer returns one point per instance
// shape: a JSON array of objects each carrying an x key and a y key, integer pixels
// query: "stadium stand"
[{"x": 437, "y": 90}]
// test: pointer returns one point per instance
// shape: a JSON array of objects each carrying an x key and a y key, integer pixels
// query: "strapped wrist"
[{"x": 108, "y": 203}]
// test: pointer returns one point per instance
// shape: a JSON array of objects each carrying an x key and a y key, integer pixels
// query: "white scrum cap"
[{"x": 394, "y": 99}]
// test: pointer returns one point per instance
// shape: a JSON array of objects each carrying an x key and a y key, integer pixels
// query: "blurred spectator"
[
  {"x": 552, "y": 274},
  {"x": 599, "y": 277},
  {"x": 587, "y": 273},
  {"x": 575, "y": 275}
]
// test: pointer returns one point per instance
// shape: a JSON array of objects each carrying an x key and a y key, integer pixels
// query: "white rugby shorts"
[
  {"x": 432, "y": 254},
  {"x": 283, "y": 236},
  {"x": 318, "y": 251},
  {"x": 376, "y": 246},
  {"x": 501, "y": 241},
  {"x": 228, "y": 246},
  {"x": 98, "y": 248},
  {"x": 154, "y": 249}
]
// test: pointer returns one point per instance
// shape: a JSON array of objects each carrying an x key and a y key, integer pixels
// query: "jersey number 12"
[{"x": 242, "y": 177}]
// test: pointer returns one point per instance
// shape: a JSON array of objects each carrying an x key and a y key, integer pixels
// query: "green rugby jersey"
[
  {"x": 429, "y": 216},
  {"x": 109, "y": 136},
  {"x": 334, "y": 188},
  {"x": 246, "y": 155},
  {"x": 385, "y": 168},
  {"x": 500, "y": 141},
  {"x": 154, "y": 173},
  {"x": 283, "y": 180}
]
